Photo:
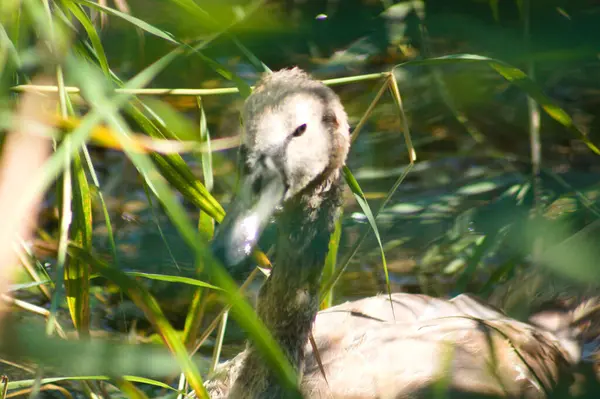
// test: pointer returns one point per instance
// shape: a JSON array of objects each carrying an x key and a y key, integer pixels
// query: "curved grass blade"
[
  {"x": 359, "y": 196},
  {"x": 87, "y": 24},
  {"x": 129, "y": 389},
  {"x": 173, "y": 168},
  {"x": 132, "y": 20},
  {"x": 20, "y": 384},
  {"x": 344, "y": 263}
]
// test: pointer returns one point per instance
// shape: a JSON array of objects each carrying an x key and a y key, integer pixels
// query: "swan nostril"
[{"x": 257, "y": 185}]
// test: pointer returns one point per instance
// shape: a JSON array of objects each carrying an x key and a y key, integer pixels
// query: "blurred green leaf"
[
  {"x": 145, "y": 301},
  {"x": 86, "y": 359},
  {"x": 521, "y": 80}
]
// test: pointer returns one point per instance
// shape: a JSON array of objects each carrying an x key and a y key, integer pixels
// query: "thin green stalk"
[
  {"x": 219, "y": 342},
  {"x": 190, "y": 92}
]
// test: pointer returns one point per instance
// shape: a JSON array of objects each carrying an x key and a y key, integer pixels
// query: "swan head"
[{"x": 296, "y": 137}]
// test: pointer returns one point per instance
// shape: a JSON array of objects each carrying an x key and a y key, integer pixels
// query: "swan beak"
[{"x": 259, "y": 194}]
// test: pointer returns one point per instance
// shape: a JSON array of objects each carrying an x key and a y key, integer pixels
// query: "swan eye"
[{"x": 299, "y": 130}]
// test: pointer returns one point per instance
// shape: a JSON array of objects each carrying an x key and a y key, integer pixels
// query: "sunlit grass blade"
[
  {"x": 206, "y": 158},
  {"x": 219, "y": 342},
  {"x": 206, "y": 229},
  {"x": 194, "y": 316},
  {"x": 173, "y": 279},
  {"x": 369, "y": 111},
  {"x": 109, "y": 229},
  {"x": 174, "y": 169},
  {"x": 77, "y": 275},
  {"x": 330, "y": 262},
  {"x": 20, "y": 384},
  {"x": 87, "y": 24},
  {"x": 390, "y": 83},
  {"x": 326, "y": 286},
  {"x": 412, "y": 155},
  {"x": 65, "y": 195},
  {"x": 79, "y": 220},
  {"x": 359, "y": 196}
]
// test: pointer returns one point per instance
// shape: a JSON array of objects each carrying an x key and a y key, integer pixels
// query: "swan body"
[{"x": 461, "y": 346}]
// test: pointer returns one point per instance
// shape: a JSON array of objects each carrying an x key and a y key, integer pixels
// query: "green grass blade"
[
  {"x": 129, "y": 389},
  {"x": 344, "y": 263},
  {"x": 330, "y": 262},
  {"x": 87, "y": 24},
  {"x": 364, "y": 205},
  {"x": 205, "y": 158},
  {"x": 145, "y": 26},
  {"x": 173, "y": 279},
  {"x": 77, "y": 275},
  {"x": 20, "y": 384},
  {"x": 109, "y": 230},
  {"x": 174, "y": 169}
]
